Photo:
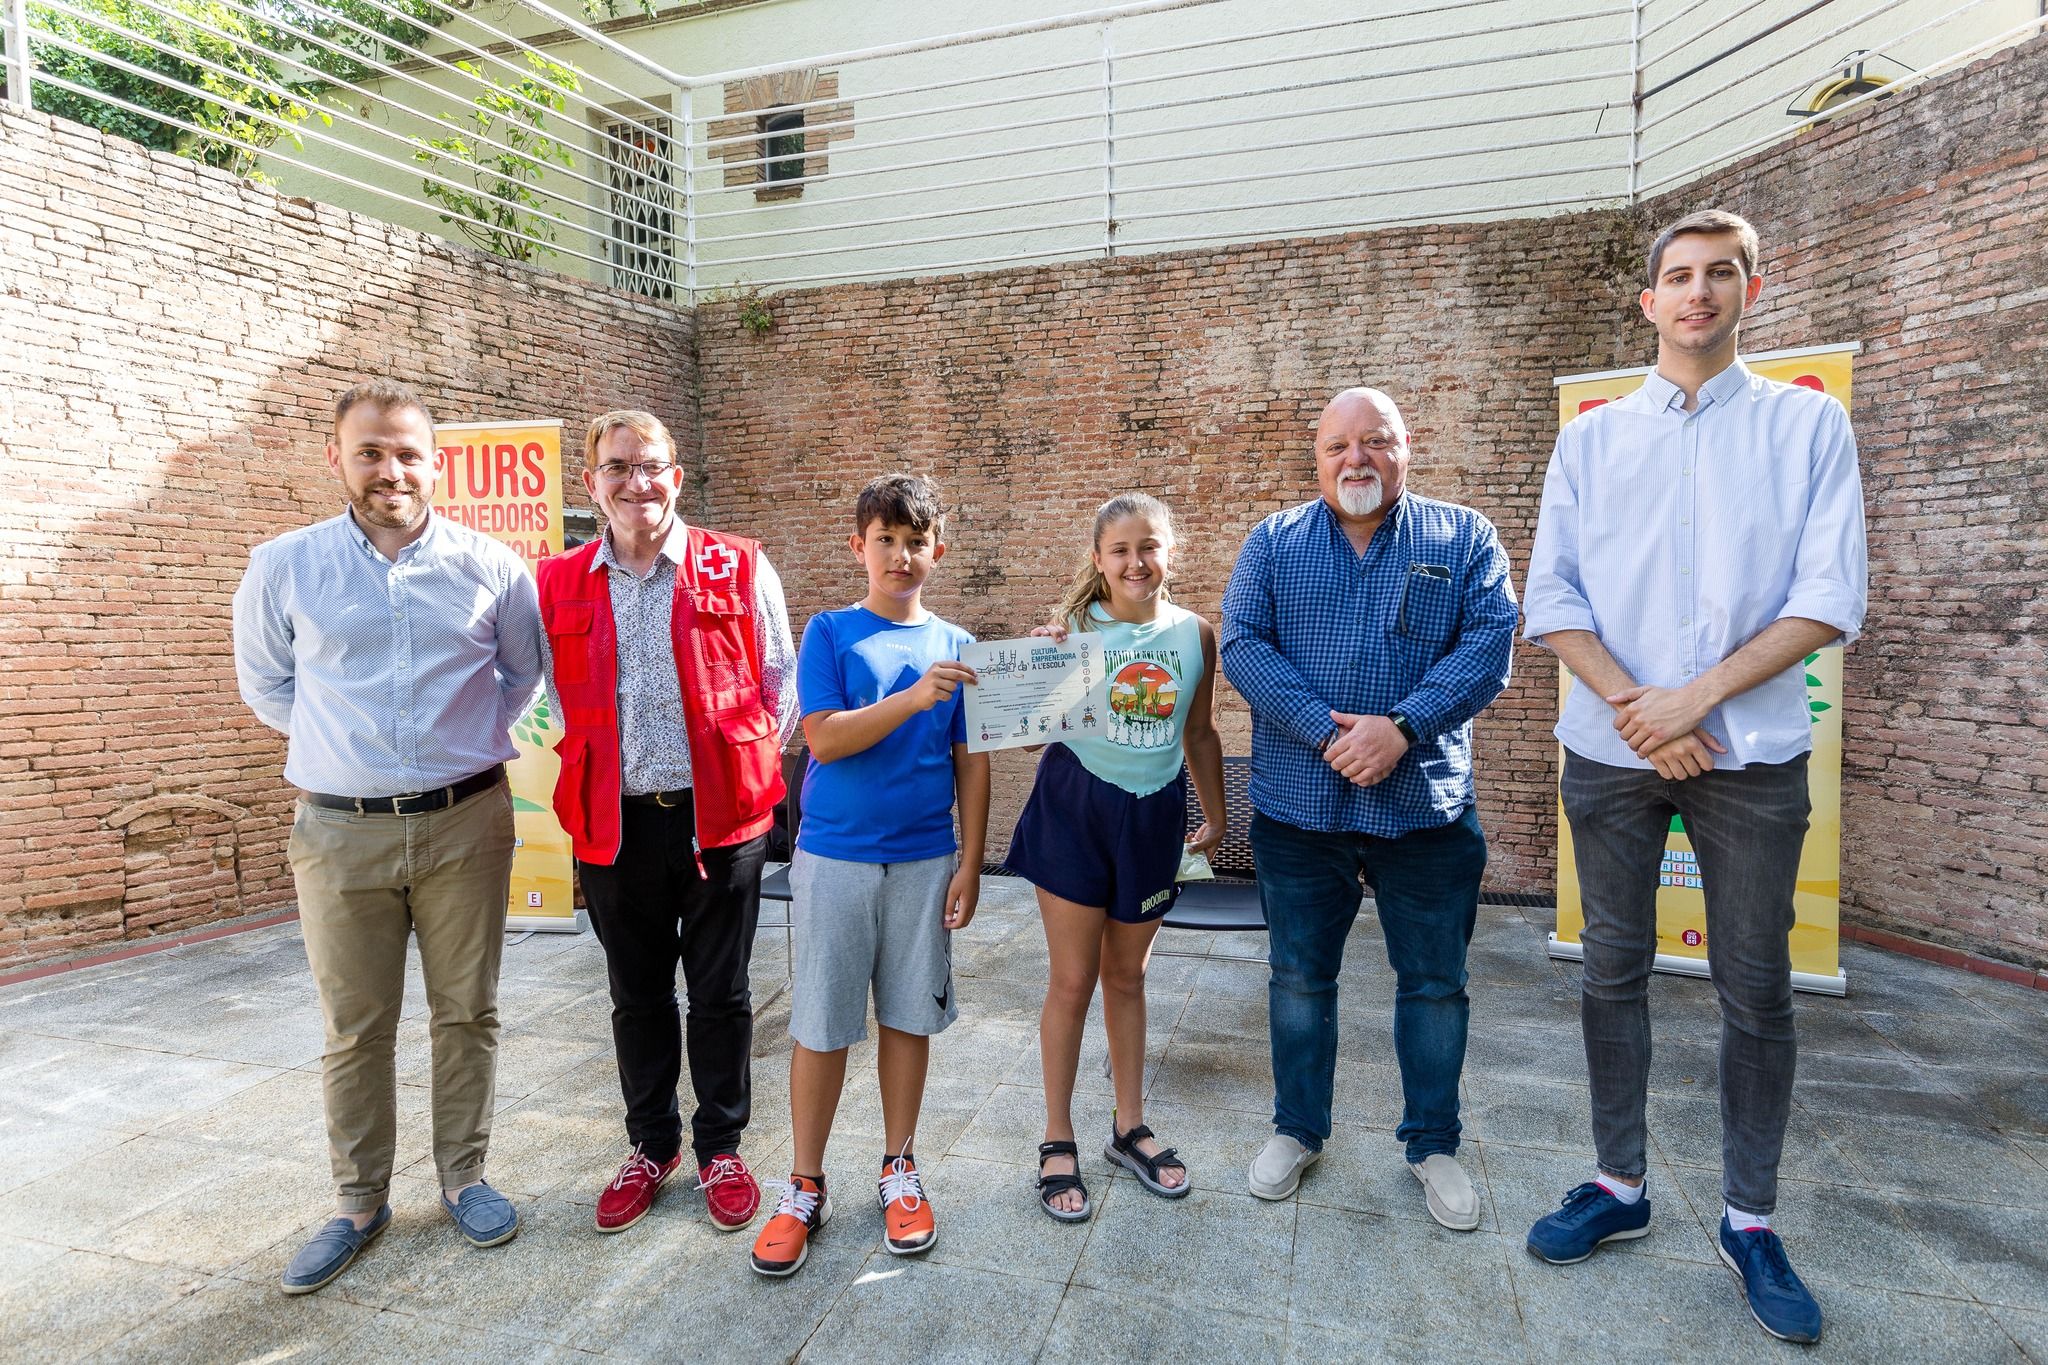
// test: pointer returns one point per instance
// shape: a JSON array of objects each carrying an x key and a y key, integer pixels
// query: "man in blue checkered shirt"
[{"x": 1366, "y": 629}]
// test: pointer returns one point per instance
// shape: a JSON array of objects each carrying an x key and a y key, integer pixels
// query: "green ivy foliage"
[
  {"x": 500, "y": 214},
  {"x": 244, "y": 93}
]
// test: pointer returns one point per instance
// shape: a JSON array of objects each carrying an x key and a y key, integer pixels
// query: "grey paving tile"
[
  {"x": 1960, "y": 1163},
  {"x": 1095, "y": 1328},
  {"x": 72, "y": 1305},
  {"x": 81, "y": 1205},
  {"x": 395, "y": 1335},
  {"x": 1998, "y": 1253},
  {"x": 2028, "y": 1330},
  {"x": 1235, "y": 1247},
  {"x": 1685, "y": 1130},
  {"x": 1872, "y": 1324},
  {"x": 989, "y": 1219},
  {"x": 215, "y": 1224},
  {"x": 2014, "y": 1102},
  {"x": 958, "y": 1315},
  {"x": 1879, "y": 1087},
  {"x": 32, "y": 1146},
  {"x": 1528, "y": 1183},
  {"x": 1529, "y": 1113},
  {"x": 1450, "y": 1288},
  {"x": 1526, "y": 1051},
  {"x": 1091, "y": 1078},
  {"x": 126, "y": 1089},
  {"x": 285, "y": 1116},
  {"x": 1959, "y": 1040},
  {"x": 1634, "y": 1308},
  {"x": 20, "y": 1257},
  {"x": 235, "y": 1320},
  {"x": 1841, "y": 1235},
  {"x": 1832, "y": 1028},
  {"x": 1366, "y": 1342},
  {"x": 1011, "y": 1124}
]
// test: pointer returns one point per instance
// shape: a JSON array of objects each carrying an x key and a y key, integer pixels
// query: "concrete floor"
[{"x": 161, "y": 1154}]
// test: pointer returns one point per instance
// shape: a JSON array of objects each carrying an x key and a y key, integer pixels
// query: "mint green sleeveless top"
[{"x": 1153, "y": 670}]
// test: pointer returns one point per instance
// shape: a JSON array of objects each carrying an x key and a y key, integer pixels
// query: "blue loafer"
[
  {"x": 328, "y": 1252},
  {"x": 485, "y": 1217},
  {"x": 1589, "y": 1217},
  {"x": 1778, "y": 1298}
]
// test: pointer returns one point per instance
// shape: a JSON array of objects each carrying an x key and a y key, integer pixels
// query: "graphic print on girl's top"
[{"x": 1153, "y": 669}]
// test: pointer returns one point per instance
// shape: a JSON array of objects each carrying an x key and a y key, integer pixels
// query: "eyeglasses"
[{"x": 618, "y": 471}]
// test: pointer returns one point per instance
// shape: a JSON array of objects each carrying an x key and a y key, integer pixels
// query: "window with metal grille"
[
  {"x": 642, "y": 206},
  {"x": 782, "y": 146}
]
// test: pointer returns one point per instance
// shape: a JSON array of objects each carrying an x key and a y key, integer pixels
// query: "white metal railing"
[{"x": 1130, "y": 128}]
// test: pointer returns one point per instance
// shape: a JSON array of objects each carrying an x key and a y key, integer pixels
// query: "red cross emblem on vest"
[{"x": 715, "y": 562}]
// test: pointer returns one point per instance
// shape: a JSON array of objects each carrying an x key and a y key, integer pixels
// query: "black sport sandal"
[
  {"x": 1122, "y": 1149},
  {"x": 1050, "y": 1185}
]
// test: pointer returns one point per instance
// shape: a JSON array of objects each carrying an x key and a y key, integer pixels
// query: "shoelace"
[
  {"x": 1777, "y": 1266},
  {"x": 722, "y": 1169},
  {"x": 795, "y": 1199},
  {"x": 900, "y": 1182},
  {"x": 640, "y": 1163},
  {"x": 1582, "y": 1199}
]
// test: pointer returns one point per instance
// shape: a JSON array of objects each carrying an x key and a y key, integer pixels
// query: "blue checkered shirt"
[{"x": 1422, "y": 623}]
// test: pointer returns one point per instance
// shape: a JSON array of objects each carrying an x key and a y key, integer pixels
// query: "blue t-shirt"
[{"x": 892, "y": 803}]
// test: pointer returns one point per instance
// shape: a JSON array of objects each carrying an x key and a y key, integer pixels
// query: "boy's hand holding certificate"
[{"x": 1034, "y": 691}]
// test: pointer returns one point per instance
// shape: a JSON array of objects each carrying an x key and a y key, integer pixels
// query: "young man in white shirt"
[
  {"x": 394, "y": 648},
  {"x": 1698, "y": 539}
]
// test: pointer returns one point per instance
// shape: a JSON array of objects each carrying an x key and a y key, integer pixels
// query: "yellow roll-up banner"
[
  {"x": 505, "y": 479},
  {"x": 1681, "y": 904}
]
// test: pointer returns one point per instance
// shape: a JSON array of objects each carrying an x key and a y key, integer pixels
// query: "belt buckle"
[
  {"x": 661, "y": 799},
  {"x": 398, "y": 802}
]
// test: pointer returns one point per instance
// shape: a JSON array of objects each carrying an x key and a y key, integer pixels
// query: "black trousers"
[{"x": 654, "y": 910}]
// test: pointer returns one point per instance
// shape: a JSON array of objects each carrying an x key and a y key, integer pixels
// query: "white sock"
[
  {"x": 1627, "y": 1194},
  {"x": 1745, "y": 1222}
]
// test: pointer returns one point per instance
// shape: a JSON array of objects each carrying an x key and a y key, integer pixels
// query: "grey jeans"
[{"x": 1747, "y": 826}]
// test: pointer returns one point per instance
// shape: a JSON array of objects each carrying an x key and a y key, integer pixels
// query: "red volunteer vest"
[{"x": 735, "y": 752}]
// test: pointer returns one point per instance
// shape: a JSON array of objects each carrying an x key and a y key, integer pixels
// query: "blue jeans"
[
  {"x": 1747, "y": 827},
  {"x": 1426, "y": 885}
]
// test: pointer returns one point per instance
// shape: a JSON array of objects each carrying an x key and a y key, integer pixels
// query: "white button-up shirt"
[
  {"x": 1677, "y": 536},
  {"x": 387, "y": 676}
]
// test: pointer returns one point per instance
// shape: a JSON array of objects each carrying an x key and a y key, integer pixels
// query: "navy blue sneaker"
[
  {"x": 329, "y": 1251},
  {"x": 1590, "y": 1216},
  {"x": 1778, "y": 1299}
]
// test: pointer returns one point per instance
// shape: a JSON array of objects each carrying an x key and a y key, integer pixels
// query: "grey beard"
[{"x": 1360, "y": 497}]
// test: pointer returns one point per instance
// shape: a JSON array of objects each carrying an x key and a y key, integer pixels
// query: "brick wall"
[
  {"x": 1033, "y": 394},
  {"x": 175, "y": 337},
  {"x": 173, "y": 340}
]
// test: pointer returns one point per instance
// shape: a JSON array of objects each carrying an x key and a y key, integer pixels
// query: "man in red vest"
[{"x": 670, "y": 664}]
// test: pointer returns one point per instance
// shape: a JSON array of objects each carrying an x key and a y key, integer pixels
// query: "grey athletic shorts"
[{"x": 862, "y": 924}]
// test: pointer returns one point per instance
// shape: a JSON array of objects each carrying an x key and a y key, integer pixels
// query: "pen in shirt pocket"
[{"x": 1438, "y": 572}]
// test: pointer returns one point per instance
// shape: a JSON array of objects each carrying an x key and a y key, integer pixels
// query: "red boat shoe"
[
  {"x": 731, "y": 1193},
  {"x": 631, "y": 1193}
]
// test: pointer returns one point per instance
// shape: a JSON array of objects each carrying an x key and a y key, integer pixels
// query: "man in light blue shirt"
[
  {"x": 1698, "y": 539},
  {"x": 394, "y": 648}
]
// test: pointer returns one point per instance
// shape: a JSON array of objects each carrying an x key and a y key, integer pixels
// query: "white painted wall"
[{"x": 1281, "y": 144}]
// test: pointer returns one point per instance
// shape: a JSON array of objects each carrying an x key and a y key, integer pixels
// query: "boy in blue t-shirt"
[{"x": 877, "y": 887}]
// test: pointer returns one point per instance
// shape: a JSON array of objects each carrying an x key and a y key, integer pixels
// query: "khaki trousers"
[{"x": 365, "y": 882}]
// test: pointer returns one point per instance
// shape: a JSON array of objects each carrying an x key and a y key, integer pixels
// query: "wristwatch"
[{"x": 1402, "y": 724}]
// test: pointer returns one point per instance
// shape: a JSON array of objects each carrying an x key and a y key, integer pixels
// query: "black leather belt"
[
  {"x": 412, "y": 803},
  {"x": 666, "y": 800}
]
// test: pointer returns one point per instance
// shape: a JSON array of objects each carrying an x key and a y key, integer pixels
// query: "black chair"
[
  {"x": 782, "y": 844},
  {"x": 1230, "y": 903}
]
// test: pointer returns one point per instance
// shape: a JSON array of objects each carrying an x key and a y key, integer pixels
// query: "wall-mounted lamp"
[{"x": 1859, "y": 73}]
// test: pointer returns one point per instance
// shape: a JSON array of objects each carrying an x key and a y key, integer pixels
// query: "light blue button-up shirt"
[
  {"x": 387, "y": 677},
  {"x": 1677, "y": 536}
]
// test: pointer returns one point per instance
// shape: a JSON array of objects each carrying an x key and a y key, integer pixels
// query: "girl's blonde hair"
[{"x": 1089, "y": 586}]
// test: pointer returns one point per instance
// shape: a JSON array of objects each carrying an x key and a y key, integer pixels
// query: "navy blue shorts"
[{"x": 1093, "y": 843}]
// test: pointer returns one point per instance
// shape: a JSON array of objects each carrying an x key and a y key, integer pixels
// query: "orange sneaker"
[
  {"x": 907, "y": 1224},
  {"x": 786, "y": 1236}
]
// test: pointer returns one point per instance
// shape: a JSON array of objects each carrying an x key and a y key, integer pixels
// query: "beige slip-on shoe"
[
  {"x": 1276, "y": 1170},
  {"x": 1448, "y": 1191}
]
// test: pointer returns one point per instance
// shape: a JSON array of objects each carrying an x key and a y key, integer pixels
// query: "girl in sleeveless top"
[{"x": 1102, "y": 834}]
